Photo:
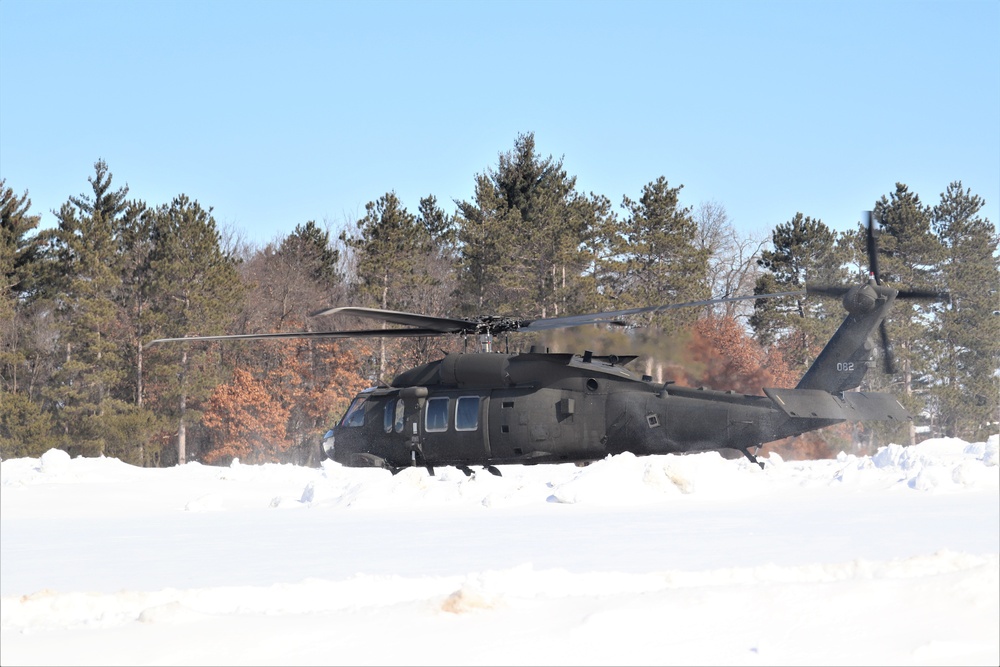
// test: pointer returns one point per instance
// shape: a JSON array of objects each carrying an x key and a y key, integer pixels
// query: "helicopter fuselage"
[{"x": 494, "y": 409}]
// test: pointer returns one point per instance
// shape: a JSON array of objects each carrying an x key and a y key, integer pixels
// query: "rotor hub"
[{"x": 861, "y": 300}]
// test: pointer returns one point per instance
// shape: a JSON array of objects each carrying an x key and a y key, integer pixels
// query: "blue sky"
[{"x": 276, "y": 113}]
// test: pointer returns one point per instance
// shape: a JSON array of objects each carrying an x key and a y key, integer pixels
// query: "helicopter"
[{"x": 487, "y": 408}]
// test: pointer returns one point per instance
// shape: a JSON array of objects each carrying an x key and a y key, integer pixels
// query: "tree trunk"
[{"x": 182, "y": 427}]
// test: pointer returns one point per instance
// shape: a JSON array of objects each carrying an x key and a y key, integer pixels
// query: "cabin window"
[
  {"x": 467, "y": 413},
  {"x": 400, "y": 416},
  {"x": 388, "y": 415},
  {"x": 356, "y": 413},
  {"x": 436, "y": 415}
]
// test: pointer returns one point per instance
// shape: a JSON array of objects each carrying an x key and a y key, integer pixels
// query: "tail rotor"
[{"x": 862, "y": 298}]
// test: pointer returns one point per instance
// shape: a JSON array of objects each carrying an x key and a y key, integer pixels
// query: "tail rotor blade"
[
  {"x": 871, "y": 246},
  {"x": 888, "y": 359},
  {"x": 827, "y": 290},
  {"x": 929, "y": 295}
]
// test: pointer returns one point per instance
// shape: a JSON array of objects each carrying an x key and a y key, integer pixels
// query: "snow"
[{"x": 681, "y": 560}]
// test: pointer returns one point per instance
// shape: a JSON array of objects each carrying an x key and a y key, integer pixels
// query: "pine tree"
[
  {"x": 18, "y": 252},
  {"x": 662, "y": 262},
  {"x": 17, "y": 249},
  {"x": 601, "y": 274},
  {"x": 521, "y": 237},
  {"x": 394, "y": 253},
  {"x": 195, "y": 291},
  {"x": 313, "y": 251},
  {"x": 25, "y": 427},
  {"x": 802, "y": 250},
  {"x": 966, "y": 387},
  {"x": 88, "y": 362},
  {"x": 486, "y": 235},
  {"x": 910, "y": 258}
]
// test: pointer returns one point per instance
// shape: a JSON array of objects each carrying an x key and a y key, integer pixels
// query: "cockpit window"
[
  {"x": 356, "y": 413},
  {"x": 436, "y": 415},
  {"x": 467, "y": 413}
]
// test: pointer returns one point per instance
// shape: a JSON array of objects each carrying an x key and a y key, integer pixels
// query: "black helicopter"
[{"x": 488, "y": 408}]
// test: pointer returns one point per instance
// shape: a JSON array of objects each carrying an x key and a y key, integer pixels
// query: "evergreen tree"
[
  {"x": 910, "y": 258},
  {"x": 88, "y": 363},
  {"x": 603, "y": 272},
  {"x": 195, "y": 290},
  {"x": 521, "y": 237},
  {"x": 25, "y": 428},
  {"x": 393, "y": 250},
  {"x": 17, "y": 247},
  {"x": 660, "y": 257},
  {"x": 486, "y": 235},
  {"x": 18, "y": 252},
  {"x": 134, "y": 247},
  {"x": 965, "y": 385},
  {"x": 313, "y": 251},
  {"x": 802, "y": 249}
]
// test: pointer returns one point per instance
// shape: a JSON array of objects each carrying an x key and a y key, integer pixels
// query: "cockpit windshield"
[{"x": 356, "y": 413}]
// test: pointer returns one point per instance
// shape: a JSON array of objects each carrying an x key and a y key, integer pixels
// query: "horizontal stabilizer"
[
  {"x": 875, "y": 407},
  {"x": 849, "y": 406}
]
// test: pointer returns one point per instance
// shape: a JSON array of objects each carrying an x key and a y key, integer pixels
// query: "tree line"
[{"x": 82, "y": 301}]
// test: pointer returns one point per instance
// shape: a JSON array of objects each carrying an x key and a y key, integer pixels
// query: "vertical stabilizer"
[{"x": 847, "y": 357}]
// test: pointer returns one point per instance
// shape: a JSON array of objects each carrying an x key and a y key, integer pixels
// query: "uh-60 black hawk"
[{"x": 488, "y": 408}]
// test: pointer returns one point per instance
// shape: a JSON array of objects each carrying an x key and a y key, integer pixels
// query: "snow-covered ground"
[{"x": 889, "y": 559}]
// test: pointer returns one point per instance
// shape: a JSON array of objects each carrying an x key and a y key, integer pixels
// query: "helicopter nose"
[{"x": 328, "y": 444}]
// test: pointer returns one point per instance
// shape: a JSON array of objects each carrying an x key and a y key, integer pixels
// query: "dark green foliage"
[
  {"x": 967, "y": 335},
  {"x": 17, "y": 249},
  {"x": 313, "y": 251},
  {"x": 19, "y": 349},
  {"x": 129, "y": 433},
  {"x": 659, "y": 257},
  {"x": 26, "y": 430},
  {"x": 195, "y": 290},
  {"x": 910, "y": 257},
  {"x": 87, "y": 365},
  {"x": 521, "y": 237},
  {"x": 486, "y": 237},
  {"x": 802, "y": 250},
  {"x": 603, "y": 273},
  {"x": 400, "y": 261},
  {"x": 390, "y": 248}
]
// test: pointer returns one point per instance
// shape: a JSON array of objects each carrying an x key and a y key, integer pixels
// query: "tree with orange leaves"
[
  {"x": 245, "y": 421},
  {"x": 726, "y": 357},
  {"x": 316, "y": 381},
  {"x": 723, "y": 356}
]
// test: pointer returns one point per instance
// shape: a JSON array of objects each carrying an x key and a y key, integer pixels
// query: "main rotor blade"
[
  {"x": 614, "y": 316},
  {"x": 432, "y": 322},
  {"x": 365, "y": 333}
]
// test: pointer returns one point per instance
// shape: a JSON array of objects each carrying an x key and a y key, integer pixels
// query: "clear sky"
[{"x": 276, "y": 113}]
